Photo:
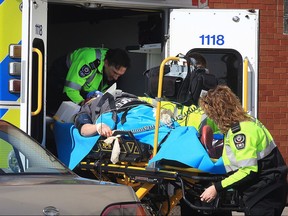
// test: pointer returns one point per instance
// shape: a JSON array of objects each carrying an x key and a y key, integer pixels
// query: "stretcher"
[
  {"x": 160, "y": 185},
  {"x": 159, "y": 181}
]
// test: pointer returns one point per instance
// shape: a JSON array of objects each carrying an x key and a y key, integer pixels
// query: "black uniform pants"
[{"x": 270, "y": 205}]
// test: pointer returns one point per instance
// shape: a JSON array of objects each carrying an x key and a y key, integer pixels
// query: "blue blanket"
[{"x": 182, "y": 143}]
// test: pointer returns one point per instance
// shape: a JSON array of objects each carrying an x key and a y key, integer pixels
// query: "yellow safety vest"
[
  {"x": 243, "y": 148},
  {"x": 84, "y": 74}
]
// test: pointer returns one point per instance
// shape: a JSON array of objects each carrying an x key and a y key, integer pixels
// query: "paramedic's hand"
[
  {"x": 103, "y": 130},
  {"x": 209, "y": 194},
  {"x": 93, "y": 94}
]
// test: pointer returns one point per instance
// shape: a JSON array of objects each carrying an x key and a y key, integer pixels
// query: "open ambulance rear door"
[
  {"x": 33, "y": 70},
  {"x": 228, "y": 39}
]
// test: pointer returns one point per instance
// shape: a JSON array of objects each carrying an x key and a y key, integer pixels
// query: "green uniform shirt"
[
  {"x": 243, "y": 149},
  {"x": 82, "y": 76}
]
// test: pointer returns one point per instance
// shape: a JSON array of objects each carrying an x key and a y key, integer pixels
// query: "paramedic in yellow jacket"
[
  {"x": 252, "y": 160},
  {"x": 93, "y": 69}
]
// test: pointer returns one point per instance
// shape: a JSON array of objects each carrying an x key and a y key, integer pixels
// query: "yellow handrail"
[
  {"x": 40, "y": 78},
  {"x": 159, "y": 95},
  {"x": 245, "y": 85}
]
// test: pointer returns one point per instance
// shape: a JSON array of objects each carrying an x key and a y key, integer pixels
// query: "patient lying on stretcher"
[
  {"x": 125, "y": 112},
  {"x": 103, "y": 115}
]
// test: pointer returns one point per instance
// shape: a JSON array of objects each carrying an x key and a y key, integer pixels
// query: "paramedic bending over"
[
  {"x": 251, "y": 158},
  {"x": 86, "y": 70}
]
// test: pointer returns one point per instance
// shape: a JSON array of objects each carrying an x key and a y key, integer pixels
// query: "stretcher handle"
[
  {"x": 40, "y": 78},
  {"x": 158, "y": 99}
]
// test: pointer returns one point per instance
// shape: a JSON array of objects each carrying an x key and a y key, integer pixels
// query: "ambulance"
[{"x": 34, "y": 33}]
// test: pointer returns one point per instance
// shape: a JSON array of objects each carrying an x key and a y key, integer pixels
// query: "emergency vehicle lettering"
[{"x": 212, "y": 40}]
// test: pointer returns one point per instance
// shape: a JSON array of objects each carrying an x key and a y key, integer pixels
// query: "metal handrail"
[
  {"x": 245, "y": 85},
  {"x": 158, "y": 99},
  {"x": 40, "y": 78}
]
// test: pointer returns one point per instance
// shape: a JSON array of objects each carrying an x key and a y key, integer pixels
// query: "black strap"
[
  {"x": 95, "y": 64},
  {"x": 111, "y": 102},
  {"x": 236, "y": 127},
  {"x": 123, "y": 117},
  {"x": 104, "y": 97}
]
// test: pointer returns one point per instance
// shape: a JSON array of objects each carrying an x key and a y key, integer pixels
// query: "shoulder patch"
[
  {"x": 240, "y": 141},
  {"x": 84, "y": 71}
]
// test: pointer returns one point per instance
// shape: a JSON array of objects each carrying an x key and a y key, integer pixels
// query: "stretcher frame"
[{"x": 173, "y": 180}]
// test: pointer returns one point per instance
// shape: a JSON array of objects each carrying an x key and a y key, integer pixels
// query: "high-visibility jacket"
[
  {"x": 85, "y": 72},
  {"x": 253, "y": 161}
]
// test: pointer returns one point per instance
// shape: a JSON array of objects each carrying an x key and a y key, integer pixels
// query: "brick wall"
[{"x": 273, "y": 65}]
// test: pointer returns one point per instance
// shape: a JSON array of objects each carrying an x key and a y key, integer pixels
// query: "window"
[{"x": 226, "y": 65}]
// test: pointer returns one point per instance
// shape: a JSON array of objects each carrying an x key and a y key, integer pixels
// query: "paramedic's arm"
[
  {"x": 74, "y": 82},
  {"x": 240, "y": 177},
  {"x": 244, "y": 174},
  {"x": 74, "y": 95}
]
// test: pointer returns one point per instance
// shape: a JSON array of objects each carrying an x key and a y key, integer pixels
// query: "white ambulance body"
[{"x": 50, "y": 29}]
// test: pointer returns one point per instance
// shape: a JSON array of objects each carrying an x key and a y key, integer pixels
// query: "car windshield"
[{"x": 21, "y": 154}]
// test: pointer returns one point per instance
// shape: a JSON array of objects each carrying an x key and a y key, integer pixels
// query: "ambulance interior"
[
  {"x": 144, "y": 33},
  {"x": 71, "y": 27}
]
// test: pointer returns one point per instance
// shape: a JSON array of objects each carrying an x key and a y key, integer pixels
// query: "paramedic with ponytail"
[{"x": 252, "y": 160}]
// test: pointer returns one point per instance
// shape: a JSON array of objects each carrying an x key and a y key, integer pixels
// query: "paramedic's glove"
[
  {"x": 93, "y": 94},
  {"x": 166, "y": 116}
]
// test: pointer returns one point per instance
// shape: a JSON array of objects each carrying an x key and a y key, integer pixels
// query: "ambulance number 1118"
[{"x": 212, "y": 40}]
